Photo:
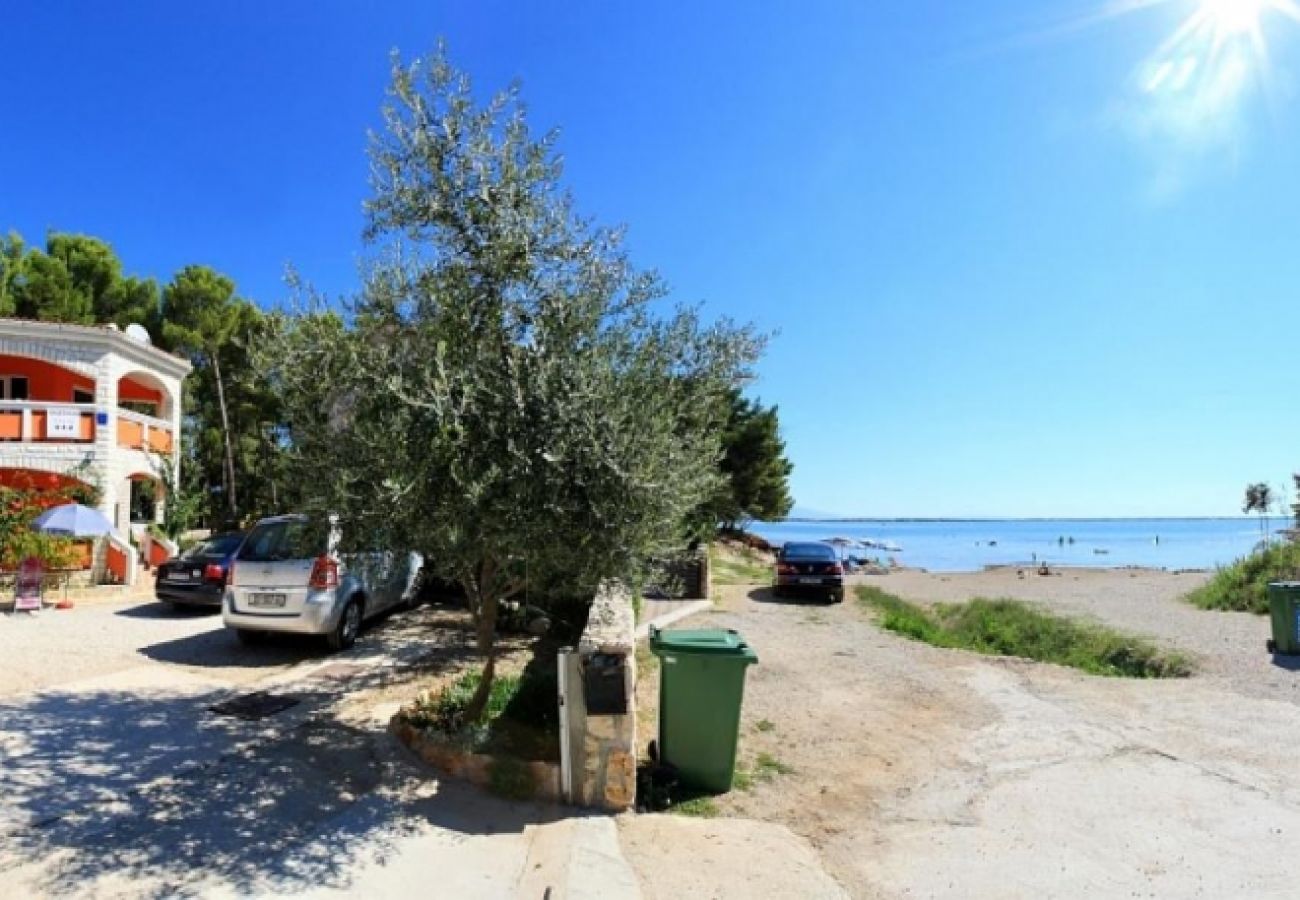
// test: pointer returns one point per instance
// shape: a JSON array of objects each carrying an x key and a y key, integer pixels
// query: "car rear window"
[
  {"x": 218, "y": 546},
  {"x": 807, "y": 551},
  {"x": 273, "y": 541}
]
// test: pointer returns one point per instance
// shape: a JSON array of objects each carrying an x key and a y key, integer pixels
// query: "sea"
[{"x": 968, "y": 545}]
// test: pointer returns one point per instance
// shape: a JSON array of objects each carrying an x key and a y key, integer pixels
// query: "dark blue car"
[
  {"x": 809, "y": 568},
  {"x": 198, "y": 576}
]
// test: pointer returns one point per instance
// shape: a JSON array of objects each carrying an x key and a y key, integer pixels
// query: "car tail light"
[
  {"x": 324, "y": 574},
  {"x": 214, "y": 572},
  {"x": 835, "y": 569}
]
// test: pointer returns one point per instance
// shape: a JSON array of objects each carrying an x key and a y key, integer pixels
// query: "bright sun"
[{"x": 1234, "y": 17}]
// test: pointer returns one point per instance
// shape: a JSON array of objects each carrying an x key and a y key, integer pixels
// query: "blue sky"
[{"x": 1017, "y": 261}]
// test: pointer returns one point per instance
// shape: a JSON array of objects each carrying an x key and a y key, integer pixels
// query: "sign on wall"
[{"x": 63, "y": 423}]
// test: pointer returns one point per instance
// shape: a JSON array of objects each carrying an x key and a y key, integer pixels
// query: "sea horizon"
[
  {"x": 971, "y": 544},
  {"x": 830, "y": 519}
]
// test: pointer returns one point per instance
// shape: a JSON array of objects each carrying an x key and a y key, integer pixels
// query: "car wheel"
[
  {"x": 249, "y": 637},
  {"x": 837, "y": 597},
  {"x": 345, "y": 632}
]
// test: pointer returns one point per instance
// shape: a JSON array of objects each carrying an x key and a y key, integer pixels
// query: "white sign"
[{"x": 63, "y": 423}]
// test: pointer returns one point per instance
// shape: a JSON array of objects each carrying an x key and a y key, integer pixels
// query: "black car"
[
  {"x": 198, "y": 576},
  {"x": 809, "y": 569}
]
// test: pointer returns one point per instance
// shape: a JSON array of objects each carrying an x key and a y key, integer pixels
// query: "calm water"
[{"x": 963, "y": 546}]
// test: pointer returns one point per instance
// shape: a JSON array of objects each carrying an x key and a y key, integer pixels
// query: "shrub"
[
  {"x": 1011, "y": 628},
  {"x": 446, "y": 711},
  {"x": 1243, "y": 585}
]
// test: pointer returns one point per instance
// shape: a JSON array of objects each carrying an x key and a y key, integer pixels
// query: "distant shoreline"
[{"x": 858, "y": 519}]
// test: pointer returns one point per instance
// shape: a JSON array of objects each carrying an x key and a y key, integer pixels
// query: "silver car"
[{"x": 289, "y": 577}]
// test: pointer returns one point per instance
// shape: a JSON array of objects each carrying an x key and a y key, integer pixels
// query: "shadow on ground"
[
  {"x": 156, "y": 609},
  {"x": 1290, "y": 663},
  {"x": 767, "y": 595},
  {"x": 160, "y": 793}
]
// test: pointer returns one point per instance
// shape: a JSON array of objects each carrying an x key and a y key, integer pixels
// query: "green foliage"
[
  {"x": 1011, "y": 628},
  {"x": 748, "y": 568},
  {"x": 511, "y": 779},
  {"x": 765, "y": 725},
  {"x": 1243, "y": 585},
  {"x": 521, "y": 719},
  {"x": 506, "y": 396},
  {"x": 701, "y": 807},
  {"x": 756, "y": 470},
  {"x": 765, "y": 769},
  {"x": 19, "y": 506},
  {"x": 446, "y": 710}
]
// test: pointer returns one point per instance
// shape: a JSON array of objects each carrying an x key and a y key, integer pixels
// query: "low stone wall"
[
  {"x": 687, "y": 577},
  {"x": 476, "y": 768},
  {"x": 601, "y": 711}
]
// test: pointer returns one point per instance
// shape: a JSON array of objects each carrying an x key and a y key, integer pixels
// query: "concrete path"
[{"x": 125, "y": 784}]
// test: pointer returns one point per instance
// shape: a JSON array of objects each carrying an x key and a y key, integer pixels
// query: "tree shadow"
[
  {"x": 157, "y": 792},
  {"x": 807, "y": 598}
]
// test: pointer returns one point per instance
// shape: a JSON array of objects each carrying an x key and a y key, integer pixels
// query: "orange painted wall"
[
  {"x": 27, "y": 479},
  {"x": 158, "y": 554},
  {"x": 130, "y": 389},
  {"x": 116, "y": 560},
  {"x": 130, "y": 434},
  {"x": 46, "y": 382}
]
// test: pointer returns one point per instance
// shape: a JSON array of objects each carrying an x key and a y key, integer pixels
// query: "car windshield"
[
  {"x": 286, "y": 539},
  {"x": 222, "y": 545},
  {"x": 807, "y": 551}
]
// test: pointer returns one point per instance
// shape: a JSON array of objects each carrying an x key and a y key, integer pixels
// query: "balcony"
[
  {"x": 47, "y": 423},
  {"x": 136, "y": 431}
]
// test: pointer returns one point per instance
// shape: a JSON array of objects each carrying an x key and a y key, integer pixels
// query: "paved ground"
[
  {"x": 117, "y": 780},
  {"x": 920, "y": 772}
]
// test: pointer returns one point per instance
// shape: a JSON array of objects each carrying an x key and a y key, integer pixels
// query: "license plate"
[
  {"x": 810, "y": 581},
  {"x": 266, "y": 601},
  {"x": 178, "y": 576}
]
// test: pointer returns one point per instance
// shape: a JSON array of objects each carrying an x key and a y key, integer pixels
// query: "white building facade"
[{"x": 95, "y": 405}]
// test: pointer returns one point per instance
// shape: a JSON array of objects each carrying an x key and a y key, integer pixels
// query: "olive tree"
[{"x": 508, "y": 395}]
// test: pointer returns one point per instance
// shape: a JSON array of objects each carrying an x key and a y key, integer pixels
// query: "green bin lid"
[{"x": 712, "y": 641}]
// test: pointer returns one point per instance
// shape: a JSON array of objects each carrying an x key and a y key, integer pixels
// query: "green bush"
[
  {"x": 1011, "y": 628},
  {"x": 511, "y": 779},
  {"x": 446, "y": 711},
  {"x": 1243, "y": 585}
]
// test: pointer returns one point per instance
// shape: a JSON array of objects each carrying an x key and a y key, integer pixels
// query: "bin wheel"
[
  {"x": 653, "y": 751},
  {"x": 1271, "y": 645}
]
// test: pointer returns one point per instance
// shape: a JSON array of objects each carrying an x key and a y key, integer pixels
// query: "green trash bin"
[
  {"x": 1284, "y": 607},
  {"x": 701, "y": 685}
]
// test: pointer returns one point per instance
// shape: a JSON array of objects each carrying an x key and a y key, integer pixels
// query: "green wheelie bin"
[
  {"x": 701, "y": 685},
  {"x": 1284, "y": 608}
]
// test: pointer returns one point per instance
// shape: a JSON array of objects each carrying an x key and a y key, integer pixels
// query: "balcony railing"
[
  {"x": 47, "y": 423},
  {"x": 137, "y": 431}
]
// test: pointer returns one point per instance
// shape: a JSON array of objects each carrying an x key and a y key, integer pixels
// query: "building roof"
[{"x": 101, "y": 335}]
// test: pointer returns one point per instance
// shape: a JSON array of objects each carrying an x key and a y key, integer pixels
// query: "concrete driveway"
[{"x": 117, "y": 779}]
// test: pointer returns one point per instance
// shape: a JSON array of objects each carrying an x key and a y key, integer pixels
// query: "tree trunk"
[
  {"x": 487, "y": 645},
  {"x": 231, "y": 497}
]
